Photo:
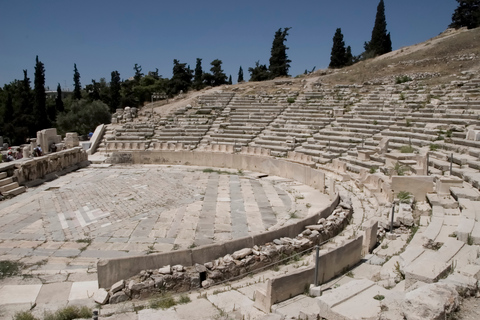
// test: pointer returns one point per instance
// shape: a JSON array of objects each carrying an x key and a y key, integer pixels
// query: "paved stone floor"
[{"x": 60, "y": 229}]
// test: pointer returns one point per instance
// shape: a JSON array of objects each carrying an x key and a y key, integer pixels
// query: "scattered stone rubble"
[{"x": 179, "y": 278}]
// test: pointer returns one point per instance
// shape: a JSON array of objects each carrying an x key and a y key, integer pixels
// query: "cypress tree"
[
  {"x": 77, "y": 89},
  {"x": 115, "y": 87},
  {"x": 240, "y": 75},
  {"x": 338, "y": 57},
  {"x": 59, "y": 106},
  {"x": 467, "y": 14},
  {"x": 138, "y": 73},
  {"x": 349, "y": 56},
  {"x": 230, "y": 80},
  {"x": 381, "y": 42},
  {"x": 181, "y": 79},
  {"x": 40, "y": 105},
  {"x": 279, "y": 62},
  {"x": 198, "y": 77}
]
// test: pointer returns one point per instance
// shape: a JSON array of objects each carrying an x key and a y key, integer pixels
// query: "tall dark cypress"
[
  {"x": 240, "y": 75},
  {"x": 115, "y": 88},
  {"x": 338, "y": 57},
  {"x": 381, "y": 42},
  {"x": 77, "y": 88},
  {"x": 198, "y": 76},
  {"x": 40, "y": 105},
  {"x": 59, "y": 106},
  {"x": 279, "y": 62}
]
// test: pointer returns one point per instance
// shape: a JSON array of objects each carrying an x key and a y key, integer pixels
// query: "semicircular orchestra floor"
[{"x": 71, "y": 222}]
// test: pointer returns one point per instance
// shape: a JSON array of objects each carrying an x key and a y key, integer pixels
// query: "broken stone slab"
[
  {"x": 101, "y": 296},
  {"x": 207, "y": 283},
  {"x": 432, "y": 301},
  {"x": 465, "y": 286},
  {"x": 165, "y": 270},
  {"x": 315, "y": 227},
  {"x": 240, "y": 254},
  {"x": 178, "y": 268},
  {"x": 117, "y": 286},
  {"x": 201, "y": 268}
]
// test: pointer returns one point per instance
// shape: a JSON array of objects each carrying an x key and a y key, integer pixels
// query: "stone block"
[
  {"x": 117, "y": 286},
  {"x": 101, "y": 296}
]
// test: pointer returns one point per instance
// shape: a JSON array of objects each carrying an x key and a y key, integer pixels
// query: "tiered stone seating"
[
  {"x": 129, "y": 136},
  {"x": 242, "y": 120}
]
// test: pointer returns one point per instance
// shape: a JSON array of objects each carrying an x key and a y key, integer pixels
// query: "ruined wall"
[
  {"x": 306, "y": 175},
  {"x": 53, "y": 163}
]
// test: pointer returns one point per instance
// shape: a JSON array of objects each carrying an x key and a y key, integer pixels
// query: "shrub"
[
  {"x": 434, "y": 147},
  {"x": 9, "y": 268},
  {"x": 407, "y": 149},
  {"x": 402, "y": 79},
  {"x": 24, "y": 315},
  {"x": 404, "y": 196},
  {"x": 69, "y": 313},
  {"x": 290, "y": 99},
  {"x": 165, "y": 301}
]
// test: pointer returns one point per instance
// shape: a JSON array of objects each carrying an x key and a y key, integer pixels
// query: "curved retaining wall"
[{"x": 112, "y": 270}]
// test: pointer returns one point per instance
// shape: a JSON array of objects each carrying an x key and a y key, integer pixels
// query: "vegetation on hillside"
[{"x": 467, "y": 14}]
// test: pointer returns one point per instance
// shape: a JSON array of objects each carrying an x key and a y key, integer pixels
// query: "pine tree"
[
  {"x": 115, "y": 88},
  {"x": 198, "y": 77},
  {"x": 138, "y": 73},
  {"x": 77, "y": 88},
  {"x": 467, "y": 14},
  {"x": 259, "y": 73},
  {"x": 40, "y": 105},
  {"x": 240, "y": 75},
  {"x": 181, "y": 79},
  {"x": 25, "y": 120},
  {"x": 230, "y": 80},
  {"x": 279, "y": 62},
  {"x": 381, "y": 42},
  {"x": 219, "y": 77},
  {"x": 338, "y": 58},
  {"x": 59, "y": 106}
]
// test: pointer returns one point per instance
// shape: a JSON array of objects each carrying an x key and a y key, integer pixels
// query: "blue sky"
[{"x": 102, "y": 36}]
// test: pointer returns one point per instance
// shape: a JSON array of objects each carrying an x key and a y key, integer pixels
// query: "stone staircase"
[{"x": 9, "y": 187}]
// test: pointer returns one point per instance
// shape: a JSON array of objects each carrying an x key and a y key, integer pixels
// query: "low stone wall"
[
  {"x": 278, "y": 167},
  {"x": 40, "y": 167},
  {"x": 179, "y": 278},
  {"x": 330, "y": 265},
  {"x": 112, "y": 270}
]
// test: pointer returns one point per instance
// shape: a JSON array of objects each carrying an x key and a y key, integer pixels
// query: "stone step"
[
  {"x": 6, "y": 181},
  {"x": 15, "y": 191},
  {"x": 3, "y": 175},
  {"x": 8, "y": 187}
]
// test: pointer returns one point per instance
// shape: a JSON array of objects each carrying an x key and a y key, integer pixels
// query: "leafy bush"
[
  {"x": 9, "y": 268},
  {"x": 407, "y": 149},
  {"x": 69, "y": 313},
  {"x": 434, "y": 147},
  {"x": 24, "y": 315},
  {"x": 83, "y": 117},
  {"x": 402, "y": 79},
  {"x": 290, "y": 99},
  {"x": 404, "y": 196}
]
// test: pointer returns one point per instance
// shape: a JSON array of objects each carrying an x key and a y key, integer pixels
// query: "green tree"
[
  {"x": 349, "y": 56},
  {"x": 279, "y": 62},
  {"x": 115, "y": 87},
  {"x": 467, "y": 14},
  {"x": 381, "y": 42},
  {"x": 138, "y": 73},
  {"x": 77, "y": 87},
  {"x": 59, "y": 106},
  {"x": 198, "y": 78},
  {"x": 259, "y": 72},
  {"x": 338, "y": 56},
  {"x": 219, "y": 77},
  {"x": 40, "y": 105},
  {"x": 240, "y": 75},
  {"x": 83, "y": 117},
  {"x": 230, "y": 80},
  {"x": 181, "y": 79}
]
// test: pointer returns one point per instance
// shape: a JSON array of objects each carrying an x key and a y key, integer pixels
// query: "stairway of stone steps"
[{"x": 9, "y": 187}]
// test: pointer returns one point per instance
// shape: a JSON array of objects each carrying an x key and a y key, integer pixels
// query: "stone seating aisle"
[
  {"x": 9, "y": 187},
  {"x": 128, "y": 136}
]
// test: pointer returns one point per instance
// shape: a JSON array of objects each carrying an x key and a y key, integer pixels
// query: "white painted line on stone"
[
  {"x": 63, "y": 221},
  {"x": 80, "y": 219}
]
